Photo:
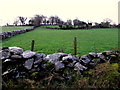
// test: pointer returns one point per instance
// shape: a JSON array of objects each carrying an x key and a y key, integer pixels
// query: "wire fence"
[{"x": 74, "y": 47}]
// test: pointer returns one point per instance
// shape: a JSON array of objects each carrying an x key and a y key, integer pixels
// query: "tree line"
[{"x": 39, "y": 20}]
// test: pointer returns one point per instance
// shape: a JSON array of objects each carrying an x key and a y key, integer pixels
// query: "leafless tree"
[
  {"x": 52, "y": 20},
  {"x": 69, "y": 22},
  {"x": 16, "y": 22},
  {"x": 37, "y": 20},
  {"x": 106, "y": 23},
  {"x": 107, "y": 20},
  {"x": 22, "y": 19}
]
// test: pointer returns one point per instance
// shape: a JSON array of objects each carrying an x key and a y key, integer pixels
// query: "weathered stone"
[
  {"x": 33, "y": 70},
  {"x": 16, "y": 57},
  {"x": 35, "y": 62},
  {"x": 16, "y": 50},
  {"x": 4, "y": 35},
  {"x": 70, "y": 65},
  {"x": 38, "y": 61},
  {"x": 18, "y": 75},
  {"x": 52, "y": 61},
  {"x": 93, "y": 54},
  {"x": 55, "y": 57},
  {"x": 6, "y": 72},
  {"x": 4, "y": 55},
  {"x": 70, "y": 58},
  {"x": 39, "y": 58},
  {"x": 78, "y": 66},
  {"x": 28, "y": 54},
  {"x": 3, "y": 48},
  {"x": 15, "y": 74},
  {"x": 59, "y": 65},
  {"x": 100, "y": 55},
  {"x": 43, "y": 66},
  {"x": 35, "y": 66},
  {"x": 101, "y": 61},
  {"x": 7, "y": 60},
  {"x": 28, "y": 64},
  {"x": 107, "y": 53},
  {"x": 85, "y": 59},
  {"x": 9, "y": 71},
  {"x": 61, "y": 54}
]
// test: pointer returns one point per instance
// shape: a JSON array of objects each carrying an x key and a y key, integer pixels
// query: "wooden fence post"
[
  {"x": 32, "y": 45},
  {"x": 75, "y": 46}
]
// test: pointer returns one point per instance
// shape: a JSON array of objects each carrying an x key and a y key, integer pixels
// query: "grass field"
[
  {"x": 50, "y": 41},
  {"x": 11, "y": 28}
]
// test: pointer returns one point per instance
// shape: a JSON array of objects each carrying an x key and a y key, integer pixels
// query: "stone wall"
[
  {"x": 17, "y": 63},
  {"x": 5, "y": 35}
]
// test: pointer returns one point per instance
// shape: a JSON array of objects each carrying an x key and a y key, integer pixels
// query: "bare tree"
[
  {"x": 52, "y": 20},
  {"x": 16, "y": 22},
  {"x": 31, "y": 22},
  {"x": 44, "y": 21},
  {"x": 107, "y": 20},
  {"x": 57, "y": 20},
  {"x": 69, "y": 22},
  {"x": 37, "y": 20},
  {"x": 22, "y": 19},
  {"x": 97, "y": 25},
  {"x": 106, "y": 23},
  {"x": 75, "y": 22}
]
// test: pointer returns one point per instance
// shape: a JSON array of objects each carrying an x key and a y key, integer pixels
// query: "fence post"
[
  {"x": 75, "y": 46},
  {"x": 32, "y": 45}
]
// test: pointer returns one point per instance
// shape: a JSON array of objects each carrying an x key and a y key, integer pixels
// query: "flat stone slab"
[
  {"x": 16, "y": 57},
  {"x": 55, "y": 57},
  {"x": 28, "y": 54},
  {"x": 59, "y": 65},
  {"x": 16, "y": 50},
  {"x": 79, "y": 66},
  {"x": 4, "y": 55},
  {"x": 28, "y": 64},
  {"x": 85, "y": 59}
]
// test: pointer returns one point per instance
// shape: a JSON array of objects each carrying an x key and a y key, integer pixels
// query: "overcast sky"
[{"x": 86, "y": 10}]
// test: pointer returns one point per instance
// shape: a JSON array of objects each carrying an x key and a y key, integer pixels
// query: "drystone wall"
[
  {"x": 17, "y": 63},
  {"x": 5, "y": 35}
]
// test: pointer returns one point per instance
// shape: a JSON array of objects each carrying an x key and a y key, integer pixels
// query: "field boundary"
[
  {"x": 8, "y": 34},
  {"x": 18, "y": 63}
]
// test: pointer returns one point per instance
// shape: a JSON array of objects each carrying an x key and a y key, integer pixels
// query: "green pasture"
[
  {"x": 11, "y": 28},
  {"x": 50, "y": 40}
]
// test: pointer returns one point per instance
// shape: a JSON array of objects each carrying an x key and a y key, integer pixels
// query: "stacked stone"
[
  {"x": 5, "y": 35},
  {"x": 15, "y": 62}
]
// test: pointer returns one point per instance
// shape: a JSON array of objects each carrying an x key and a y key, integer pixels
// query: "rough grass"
[
  {"x": 11, "y": 28},
  {"x": 102, "y": 76},
  {"x": 50, "y": 40}
]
